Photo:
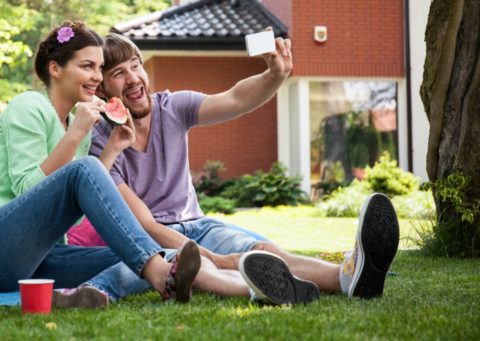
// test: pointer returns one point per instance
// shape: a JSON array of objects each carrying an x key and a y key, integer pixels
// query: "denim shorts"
[{"x": 217, "y": 236}]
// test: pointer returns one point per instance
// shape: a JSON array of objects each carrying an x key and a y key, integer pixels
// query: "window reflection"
[{"x": 351, "y": 124}]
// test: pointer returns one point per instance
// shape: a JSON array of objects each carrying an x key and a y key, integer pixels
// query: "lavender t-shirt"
[{"x": 161, "y": 175}]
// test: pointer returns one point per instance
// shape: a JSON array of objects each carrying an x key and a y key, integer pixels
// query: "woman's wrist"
[{"x": 74, "y": 136}]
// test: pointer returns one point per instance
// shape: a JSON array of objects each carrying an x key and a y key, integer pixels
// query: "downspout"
[{"x": 408, "y": 66}]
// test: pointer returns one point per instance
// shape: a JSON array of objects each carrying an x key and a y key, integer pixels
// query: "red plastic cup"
[{"x": 36, "y": 295}]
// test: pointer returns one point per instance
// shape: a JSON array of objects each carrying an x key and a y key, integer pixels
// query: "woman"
[{"x": 43, "y": 193}]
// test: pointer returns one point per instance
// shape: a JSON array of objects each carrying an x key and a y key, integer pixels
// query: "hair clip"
[{"x": 64, "y": 34}]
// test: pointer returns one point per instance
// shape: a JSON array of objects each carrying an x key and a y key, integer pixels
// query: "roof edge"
[
  {"x": 272, "y": 17},
  {"x": 143, "y": 19}
]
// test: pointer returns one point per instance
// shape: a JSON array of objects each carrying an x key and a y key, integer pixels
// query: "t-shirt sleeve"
[
  {"x": 186, "y": 104},
  {"x": 25, "y": 133},
  {"x": 116, "y": 172},
  {"x": 98, "y": 141},
  {"x": 100, "y": 136}
]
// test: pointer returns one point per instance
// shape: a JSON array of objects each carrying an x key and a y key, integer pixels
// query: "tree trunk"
[{"x": 451, "y": 95}]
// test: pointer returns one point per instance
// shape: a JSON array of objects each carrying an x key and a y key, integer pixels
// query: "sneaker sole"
[
  {"x": 82, "y": 298},
  {"x": 377, "y": 242},
  {"x": 187, "y": 269},
  {"x": 269, "y": 276}
]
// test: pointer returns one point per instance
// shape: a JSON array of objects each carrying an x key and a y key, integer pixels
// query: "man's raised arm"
[{"x": 252, "y": 92}]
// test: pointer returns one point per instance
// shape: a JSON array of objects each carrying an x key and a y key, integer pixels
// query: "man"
[{"x": 153, "y": 175}]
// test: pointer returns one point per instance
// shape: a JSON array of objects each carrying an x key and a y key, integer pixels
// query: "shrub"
[
  {"x": 385, "y": 177},
  {"x": 457, "y": 230},
  {"x": 208, "y": 181},
  {"x": 266, "y": 189},
  {"x": 447, "y": 239},
  {"x": 415, "y": 205},
  {"x": 217, "y": 204},
  {"x": 345, "y": 201}
]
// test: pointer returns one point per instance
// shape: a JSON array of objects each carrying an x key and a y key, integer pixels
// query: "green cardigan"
[{"x": 29, "y": 131}]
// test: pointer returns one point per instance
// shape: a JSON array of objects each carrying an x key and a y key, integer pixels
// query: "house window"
[{"x": 351, "y": 124}]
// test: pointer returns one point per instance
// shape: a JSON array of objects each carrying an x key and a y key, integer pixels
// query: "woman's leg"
[
  {"x": 92, "y": 276},
  {"x": 31, "y": 224},
  {"x": 71, "y": 266}
]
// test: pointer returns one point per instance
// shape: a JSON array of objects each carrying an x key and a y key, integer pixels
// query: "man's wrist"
[
  {"x": 276, "y": 77},
  {"x": 109, "y": 148}
]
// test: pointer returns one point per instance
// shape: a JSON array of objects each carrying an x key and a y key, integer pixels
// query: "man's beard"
[{"x": 137, "y": 114}]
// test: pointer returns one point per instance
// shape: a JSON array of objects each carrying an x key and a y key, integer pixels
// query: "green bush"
[
  {"x": 385, "y": 177},
  {"x": 457, "y": 229},
  {"x": 208, "y": 182},
  {"x": 217, "y": 204},
  {"x": 415, "y": 205},
  {"x": 266, "y": 189},
  {"x": 345, "y": 201},
  {"x": 447, "y": 239}
]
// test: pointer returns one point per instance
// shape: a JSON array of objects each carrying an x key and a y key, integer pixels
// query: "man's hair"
[{"x": 118, "y": 49}]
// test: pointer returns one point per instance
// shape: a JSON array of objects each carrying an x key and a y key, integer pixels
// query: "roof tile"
[{"x": 213, "y": 24}]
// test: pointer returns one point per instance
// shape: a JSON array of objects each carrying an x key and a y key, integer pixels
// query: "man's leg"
[
  {"x": 363, "y": 272},
  {"x": 377, "y": 225},
  {"x": 324, "y": 274},
  {"x": 227, "y": 283},
  {"x": 217, "y": 237},
  {"x": 264, "y": 276},
  {"x": 248, "y": 232}
]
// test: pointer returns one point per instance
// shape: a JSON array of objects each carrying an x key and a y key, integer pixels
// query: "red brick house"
[{"x": 357, "y": 77}]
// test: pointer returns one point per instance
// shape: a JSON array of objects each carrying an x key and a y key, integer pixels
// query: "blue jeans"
[
  {"x": 31, "y": 225},
  {"x": 217, "y": 236}
]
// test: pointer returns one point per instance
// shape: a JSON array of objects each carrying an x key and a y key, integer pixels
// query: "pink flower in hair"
[{"x": 65, "y": 34}]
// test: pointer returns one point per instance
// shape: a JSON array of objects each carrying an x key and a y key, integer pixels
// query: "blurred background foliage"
[{"x": 23, "y": 23}]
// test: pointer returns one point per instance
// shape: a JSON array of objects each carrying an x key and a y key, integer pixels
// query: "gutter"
[{"x": 408, "y": 67}]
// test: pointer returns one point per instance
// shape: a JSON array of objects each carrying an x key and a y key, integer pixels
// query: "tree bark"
[{"x": 451, "y": 94}]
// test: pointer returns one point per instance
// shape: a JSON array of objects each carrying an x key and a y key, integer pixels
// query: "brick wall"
[
  {"x": 243, "y": 145},
  {"x": 365, "y": 37}
]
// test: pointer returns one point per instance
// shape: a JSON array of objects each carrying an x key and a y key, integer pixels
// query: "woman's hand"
[{"x": 86, "y": 115}]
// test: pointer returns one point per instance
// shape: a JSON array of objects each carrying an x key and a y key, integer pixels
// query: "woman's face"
[{"x": 80, "y": 77}]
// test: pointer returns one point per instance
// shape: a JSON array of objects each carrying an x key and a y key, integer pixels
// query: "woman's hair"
[{"x": 60, "y": 46}]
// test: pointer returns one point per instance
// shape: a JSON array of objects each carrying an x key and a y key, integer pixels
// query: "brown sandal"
[{"x": 185, "y": 267}]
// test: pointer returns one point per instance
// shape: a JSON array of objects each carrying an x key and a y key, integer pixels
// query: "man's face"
[{"x": 129, "y": 82}]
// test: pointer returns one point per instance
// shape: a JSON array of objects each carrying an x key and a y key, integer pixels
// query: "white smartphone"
[{"x": 260, "y": 43}]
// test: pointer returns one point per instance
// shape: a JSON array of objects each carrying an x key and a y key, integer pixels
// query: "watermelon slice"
[{"x": 115, "y": 111}]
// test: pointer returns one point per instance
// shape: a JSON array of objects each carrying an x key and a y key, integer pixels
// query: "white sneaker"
[{"x": 364, "y": 270}]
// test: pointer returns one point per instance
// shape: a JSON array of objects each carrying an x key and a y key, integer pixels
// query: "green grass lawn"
[
  {"x": 429, "y": 298},
  {"x": 301, "y": 229}
]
